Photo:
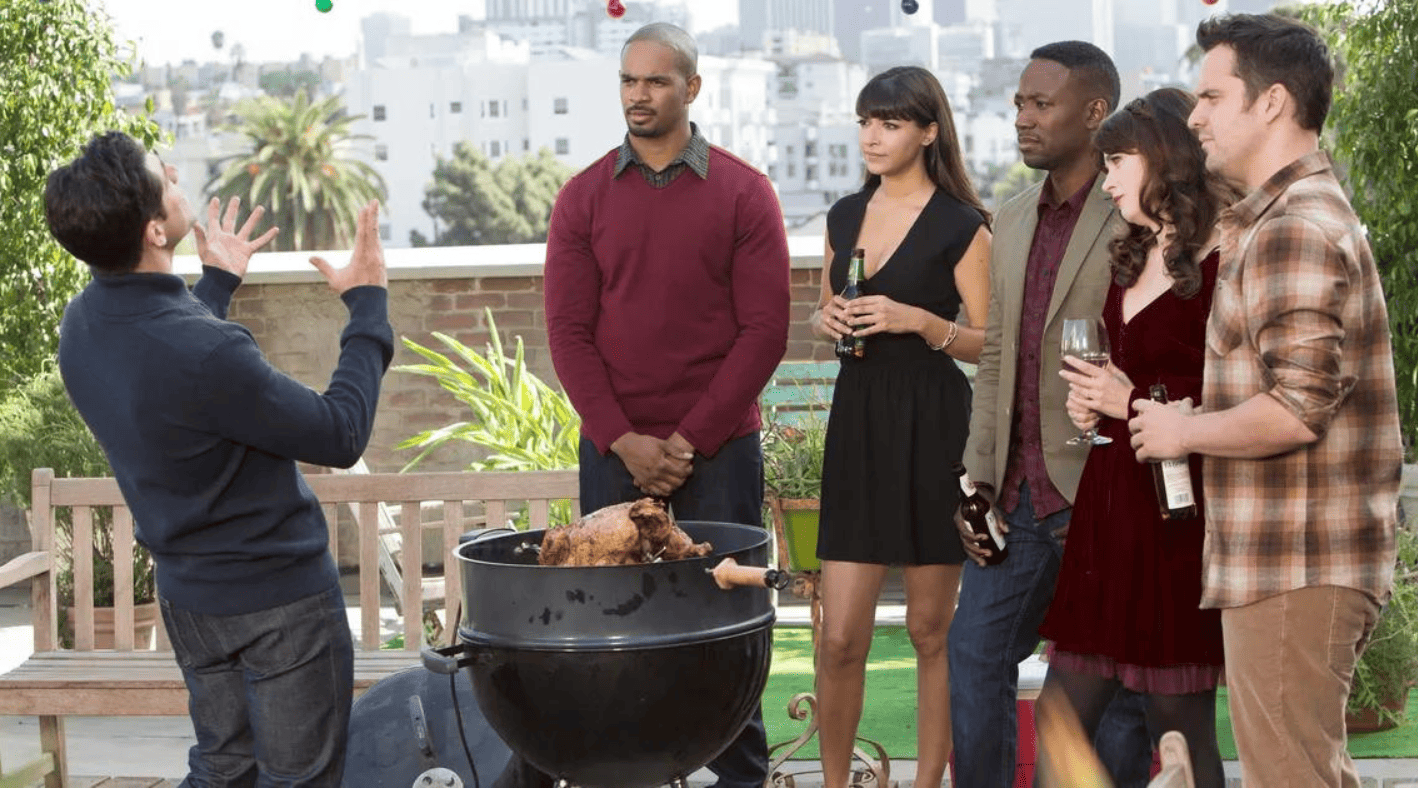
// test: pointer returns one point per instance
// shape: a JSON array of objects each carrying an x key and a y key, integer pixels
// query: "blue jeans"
[
  {"x": 270, "y": 692},
  {"x": 727, "y": 488},
  {"x": 996, "y": 626}
]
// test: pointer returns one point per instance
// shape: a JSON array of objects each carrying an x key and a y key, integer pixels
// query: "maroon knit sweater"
[{"x": 667, "y": 309}]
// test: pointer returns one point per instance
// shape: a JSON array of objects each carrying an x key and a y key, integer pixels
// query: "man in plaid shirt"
[{"x": 1299, "y": 416}]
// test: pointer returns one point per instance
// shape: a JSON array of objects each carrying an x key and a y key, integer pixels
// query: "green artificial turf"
[{"x": 889, "y": 711}]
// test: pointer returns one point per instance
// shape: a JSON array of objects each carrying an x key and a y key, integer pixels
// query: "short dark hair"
[
  {"x": 98, "y": 206},
  {"x": 1091, "y": 64},
  {"x": 1272, "y": 49}
]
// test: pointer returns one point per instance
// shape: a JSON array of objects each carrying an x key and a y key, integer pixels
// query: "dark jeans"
[
  {"x": 996, "y": 626},
  {"x": 271, "y": 692},
  {"x": 727, "y": 488}
]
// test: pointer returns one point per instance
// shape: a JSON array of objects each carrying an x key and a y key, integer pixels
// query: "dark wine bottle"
[
  {"x": 976, "y": 510},
  {"x": 848, "y": 346},
  {"x": 1176, "y": 496}
]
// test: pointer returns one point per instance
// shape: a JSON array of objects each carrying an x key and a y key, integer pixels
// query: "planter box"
[{"x": 796, "y": 520}]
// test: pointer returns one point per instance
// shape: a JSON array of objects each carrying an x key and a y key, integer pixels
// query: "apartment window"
[
  {"x": 559, "y": 106},
  {"x": 381, "y": 152},
  {"x": 431, "y": 110},
  {"x": 385, "y": 232},
  {"x": 455, "y": 108},
  {"x": 526, "y": 144},
  {"x": 379, "y": 112},
  {"x": 563, "y": 146},
  {"x": 792, "y": 170},
  {"x": 810, "y": 149},
  {"x": 772, "y": 172},
  {"x": 493, "y": 109},
  {"x": 496, "y": 149},
  {"x": 789, "y": 150}
]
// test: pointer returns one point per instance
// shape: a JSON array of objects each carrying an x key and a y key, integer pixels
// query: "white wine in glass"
[{"x": 1086, "y": 339}]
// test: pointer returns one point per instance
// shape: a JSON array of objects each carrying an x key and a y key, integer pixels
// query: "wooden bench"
[
  {"x": 84, "y": 680},
  {"x": 799, "y": 393}
]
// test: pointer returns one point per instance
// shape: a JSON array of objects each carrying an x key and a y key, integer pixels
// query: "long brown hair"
[
  {"x": 1178, "y": 189},
  {"x": 913, "y": 93}
]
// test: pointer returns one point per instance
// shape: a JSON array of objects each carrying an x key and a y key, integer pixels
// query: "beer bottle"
[
  {"x": 849, "y": 346},
  {"x": 1176, "y": 497},
  {"x": 976, "y": 510}
]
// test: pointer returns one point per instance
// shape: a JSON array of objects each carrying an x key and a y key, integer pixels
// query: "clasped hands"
[
  {"x": 658, "y": 467},
  {"x": 867, "y": 315}
]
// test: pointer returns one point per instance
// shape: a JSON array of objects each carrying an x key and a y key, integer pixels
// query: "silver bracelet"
[{"x": 949, "y": 337}]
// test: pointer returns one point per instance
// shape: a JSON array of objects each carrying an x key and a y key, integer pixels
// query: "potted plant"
[
  {"x": 792, "y": 480},
  {"x": 39, "y": 428},
  {"x": 1389, "y": 665}
]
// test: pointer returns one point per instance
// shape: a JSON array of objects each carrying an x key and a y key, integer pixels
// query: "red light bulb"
[
  {"x": 615, "y": 9},
  {"x": 1210, "y": 2}
]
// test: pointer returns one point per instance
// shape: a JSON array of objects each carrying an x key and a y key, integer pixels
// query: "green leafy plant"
[
  {"x": 792, "y": 457},
  {"x": 39, "y": 428},
  {"x": 1389, "y": 664},
  {"x": 57, "y": 61},
  {"x": 524, "y": 423},
  {"x": 1374, "y": 125}
]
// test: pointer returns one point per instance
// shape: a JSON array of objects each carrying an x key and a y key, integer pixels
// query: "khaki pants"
[{"x": 1289, "y": 663}]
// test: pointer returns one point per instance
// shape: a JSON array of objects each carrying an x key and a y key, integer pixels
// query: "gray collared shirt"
[{"x": 695, "y": 156}]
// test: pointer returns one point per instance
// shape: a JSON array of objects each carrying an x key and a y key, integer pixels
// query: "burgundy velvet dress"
[{"x": 1126, "y": 604}]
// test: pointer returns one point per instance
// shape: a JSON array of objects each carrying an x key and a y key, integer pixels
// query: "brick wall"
[{"x": 297, "y": 320}]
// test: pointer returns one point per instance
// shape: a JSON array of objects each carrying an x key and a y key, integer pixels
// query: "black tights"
[{"x": 1193, "y": 715}]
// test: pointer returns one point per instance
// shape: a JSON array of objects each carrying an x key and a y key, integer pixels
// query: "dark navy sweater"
[{"x": 203, "y": 434}]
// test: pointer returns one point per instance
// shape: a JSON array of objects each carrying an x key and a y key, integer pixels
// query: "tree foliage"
[
  {"x": 1375, "y": 130},
  {"x": 56, "y": 61},
  {"x": 302, "y": 169},
  {"x": 474, "y": 202}
]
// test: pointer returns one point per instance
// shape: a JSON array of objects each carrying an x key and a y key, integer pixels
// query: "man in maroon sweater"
[{"x": 667, "y": 312}]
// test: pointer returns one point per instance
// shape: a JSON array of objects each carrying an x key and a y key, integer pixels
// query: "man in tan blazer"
[{"x": 1049, "y": 262}]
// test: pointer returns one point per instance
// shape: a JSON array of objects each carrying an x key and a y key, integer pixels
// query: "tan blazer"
[{"x": 1080, "y": 290}]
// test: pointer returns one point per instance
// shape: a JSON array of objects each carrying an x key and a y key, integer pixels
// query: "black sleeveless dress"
[{"x": 899, "y": 416}]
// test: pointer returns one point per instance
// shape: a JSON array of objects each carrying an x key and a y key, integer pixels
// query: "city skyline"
[{"x": 283, "y": 30}]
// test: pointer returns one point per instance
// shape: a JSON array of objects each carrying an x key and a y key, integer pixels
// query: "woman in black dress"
[
  {"x": 899, "y": 414},
  {"x": 1125, "y": 611}
]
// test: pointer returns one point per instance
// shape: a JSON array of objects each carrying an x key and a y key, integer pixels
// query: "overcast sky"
[{"x": 168, "y": 31}]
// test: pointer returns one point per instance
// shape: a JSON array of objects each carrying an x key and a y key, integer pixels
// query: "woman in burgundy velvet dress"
[{"x": 1125, "y": 612}]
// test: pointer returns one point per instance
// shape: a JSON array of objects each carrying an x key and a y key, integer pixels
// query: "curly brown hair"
[{"x": 1178, "y": 192}]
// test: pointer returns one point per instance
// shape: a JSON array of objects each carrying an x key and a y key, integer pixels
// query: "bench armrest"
[{"x": 24, "y": 567}]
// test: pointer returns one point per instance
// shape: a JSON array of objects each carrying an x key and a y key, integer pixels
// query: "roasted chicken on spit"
[{"x": 638, "y": 532}]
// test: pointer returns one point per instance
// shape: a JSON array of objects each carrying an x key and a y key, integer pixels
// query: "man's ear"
[
  {"x": 1097, "y": 113},
  {"x": 1275, "y": 103},
  {"x": 154, "y": 234},
  {"x": 692, "y": 88}
]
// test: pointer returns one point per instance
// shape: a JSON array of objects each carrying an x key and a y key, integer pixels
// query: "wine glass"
[{"x": 1086, "y": 339}]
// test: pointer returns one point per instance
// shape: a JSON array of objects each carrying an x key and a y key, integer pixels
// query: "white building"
[
  {"x": 425, "y": 94},
  {"x": 418, "y": 106}
]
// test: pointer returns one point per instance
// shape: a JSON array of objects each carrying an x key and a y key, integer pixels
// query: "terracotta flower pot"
[
  {"x": 145, "y": 624},
  {"x": 1369, "y": 720}
]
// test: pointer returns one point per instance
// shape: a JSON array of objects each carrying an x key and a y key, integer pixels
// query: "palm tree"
[{"x": 300, "y": 167}]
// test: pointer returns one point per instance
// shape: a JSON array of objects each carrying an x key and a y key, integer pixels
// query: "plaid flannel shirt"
[{"x": 1299, "y": 315}]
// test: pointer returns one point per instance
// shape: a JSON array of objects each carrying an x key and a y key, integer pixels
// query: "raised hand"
[
  {"x": 219, "y": 247},
  {"x": 366, "y": 265}
]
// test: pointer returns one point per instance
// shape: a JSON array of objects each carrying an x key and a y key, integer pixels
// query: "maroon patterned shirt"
[{"x": 1026, "y": 443}]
